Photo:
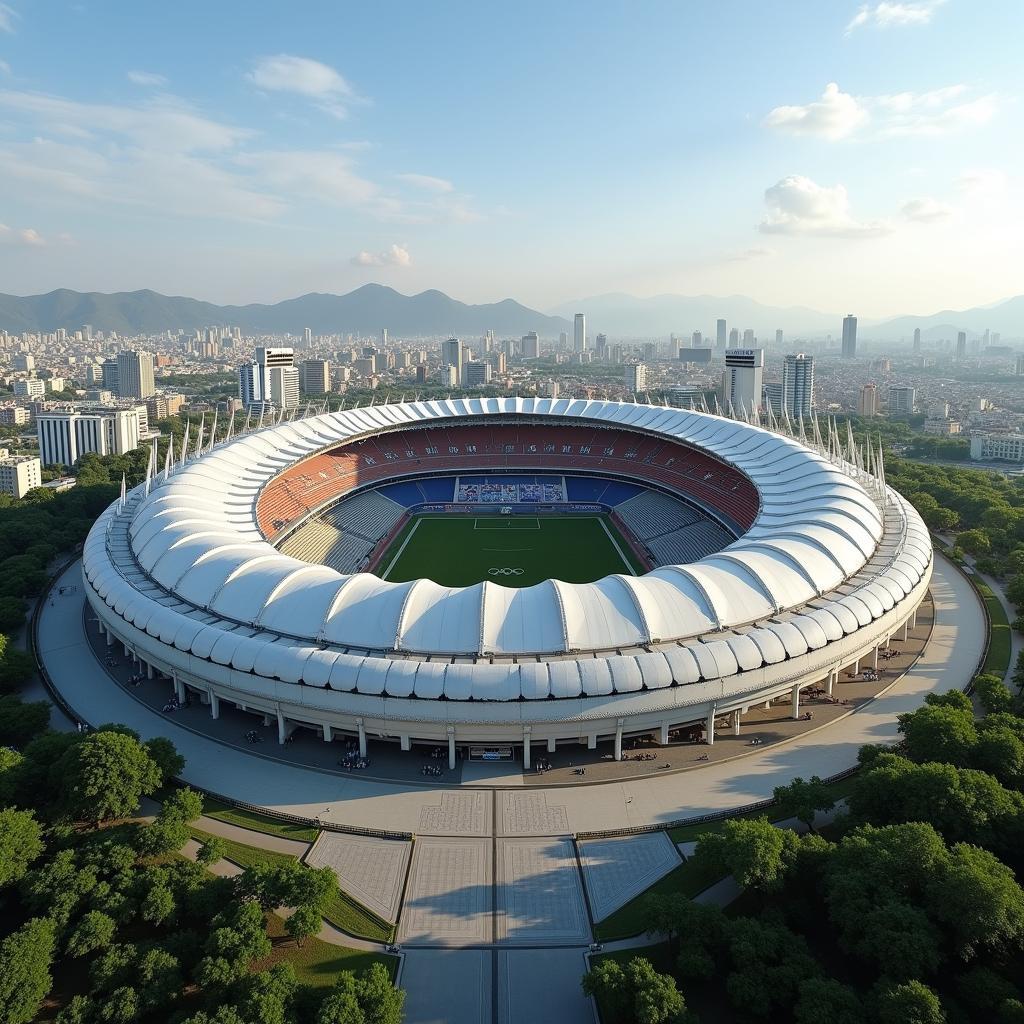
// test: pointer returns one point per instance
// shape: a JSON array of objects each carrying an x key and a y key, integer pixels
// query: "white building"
[
  {"x": 451, "y": 355},
  {"x": 579, "y": 333},
  {"x": 902, "y": 401},
  {"x": 743, "y": 379},
  {"x": 530, "y": 345},
  {"x": 849, "y": 337},
  {"x": 867, "y": 405},
  {"x": 19, "y": 474},
  {"x": 135, "y": 374},
  {"x": 31, "y": 388},
  {"x": 636, "y": 377},
  {"x": 266, "y": 379},
  {"x": 998, "y": 447},
  {"x": 315, "y": 377},
  {"x": 478, "y": 374},
  {"x": 798, "y": 385},
  {"x": 65, "y": 436}
]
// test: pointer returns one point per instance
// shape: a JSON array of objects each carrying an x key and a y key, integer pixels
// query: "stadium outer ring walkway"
[{"x": 948, "y": 662}]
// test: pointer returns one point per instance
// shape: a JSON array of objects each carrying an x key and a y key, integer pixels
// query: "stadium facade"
[{"x": 826, "y": 565}]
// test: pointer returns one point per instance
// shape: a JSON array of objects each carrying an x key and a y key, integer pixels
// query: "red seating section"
[{"x": 479, "y": 448}]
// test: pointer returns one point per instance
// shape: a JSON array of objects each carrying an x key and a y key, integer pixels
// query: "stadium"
[{"x": 509, "y": 575}]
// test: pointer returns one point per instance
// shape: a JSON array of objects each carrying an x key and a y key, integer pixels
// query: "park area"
[{"x": 511, "y": 550}]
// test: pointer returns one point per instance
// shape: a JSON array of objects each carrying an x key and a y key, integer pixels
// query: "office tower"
[
  {"x": 961, "y": 345},
  {"x": 254, "y": 379},
  {"x": 451, "y": 355},
  {"x": 778, "y": 338},
  {"x": 1019, "y": 369},
  {"x": 548, "y": 389},
  {"x": 902, "y": 401},
  {"x": 110, "y": 375},
  {"x": 421, "y": 373},
  {"x": 636, "y": 377},
  {"x": 65, "y": 436},
  {"x": 742, "y": 380},
  {"x": 383, "y": 337},
  {"x": 849, "y": 337},
  {"x": 773, "y": 396},
  {"x": 86, "y": 330},
  {"x": 867, "y": 404},
  {"x": 696, "y": 339},
  {"x": 798, "y": 385},
  {"x": 917, "y": 341},
  {"x": 530, "y": 344},
  {"x": 498, "y": 361},
  {"x": 601, "y": 346},
  {"x": 307, "y": 337},
  {"x": 449, "y": 376},
  {"x": 734, "y": 338},
  {"x": 563, "y": 341},
  {"x": 478, "y": 374},
  {"x": 720, "y": 336},
  {"x": 315, "y": 377},
  {"x": 24, "y": 362},
  {"x": 30, "y": 388},
  {"x": 579, "y": 333},
  {"x": 135, "y": 374},
  {"x": 748, "y": 338}
]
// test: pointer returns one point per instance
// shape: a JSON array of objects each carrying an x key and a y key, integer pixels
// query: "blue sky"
[{"x": 835, "y": 155}]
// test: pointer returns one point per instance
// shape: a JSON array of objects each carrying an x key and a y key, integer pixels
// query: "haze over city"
[{"x": 833, "y": 156}]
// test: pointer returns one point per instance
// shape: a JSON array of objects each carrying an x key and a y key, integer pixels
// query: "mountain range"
[{"x": 431, "y": 313}]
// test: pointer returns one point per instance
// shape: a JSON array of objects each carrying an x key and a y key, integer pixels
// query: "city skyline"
[{"x": 258, "y": 160}]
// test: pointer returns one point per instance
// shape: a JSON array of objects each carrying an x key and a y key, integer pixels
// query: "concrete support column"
[
  {"x": 362, "y": 737},
  {"x": 266, "y": 719},
  {"x": 663, "y": 739},
  {"x": 404, "y": 743},
  {"x": 874, "y": 659},
  {"x": 592, "y": 741},
  {"x": 281, "y": 735},
  {"x": 830, "y": 683},
  {"x": 110, "y": 639},
  {"x": 149, "y": 671},
  {"x": 710, "y": 727},
  {"x": 526, "y": 747},
  {"x": 179, "y": 690},
  {"x": 767, "y": 705},
  {"x": 618, "y": 741},
  {"x": 913, "y": 620},
  {"x": 796, "y": 701},
  {"x": 127, "y": 653},
  {"x": 736, "y": 722},
  {"x": 856, "y": 667},
  {"x": 328, "y": 733},
  {"x": 214, "y": 705},
  {"x": 906, "y": 629},
  {"x": 451, "y": 747},
  {"x": 551, "y": 744}
]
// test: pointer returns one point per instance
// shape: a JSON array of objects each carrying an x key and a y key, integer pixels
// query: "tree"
[
  {"x": 122, "y": 1006},
  {"x": 12, "y": 614},
  {"x": 341, "y": 1005},
  {"x": 382, "y": 1003},
  {"x": 157, "y": 905},
  {"x": 211, "y": 851},
  {"x": 20, "y": 722},
  {"x": 974, "y": 542},
  {"x": 107, "y": 775},
  {"x": 634, "y": 993},
  {"x": 166, "y": 757},
  {"x": 802, "y": 800},
  {"x": 752, "y": 850},
  {"x": 16, "y": 670},
  {"x": 909, "y": 1003},
  {"x": 25, "y": 958},
  {"x": 268, "y": 996},
  {"x": 94, "y": 931},
  {"x": 80, "y": 1010},
  {"x": 20, "y": 843},
  {"x": 183, "y": 804},
  {"x": 938, "y": 733},
  {"x": 304, "y": 923},
  {"x": 992, "y": 694},
  {"x": 826, "y": 1001}
]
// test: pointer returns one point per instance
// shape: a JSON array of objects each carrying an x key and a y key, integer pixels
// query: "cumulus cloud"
[
  {"x": 839, "y": 115},
  {"x": 304, "y": 77},
  {"x": 926, "y": 210},
  {"x": 393, "y": 256},
  {"x": 835, "y": 116},
  {"x": 890, "y": 14},
  {"x": 27, "y": 237},
  {"x": 427, "y": 182},
  {"x": 147, "y": 79},
  {"x": 799, "y": 206},
  {"x": 7, "y": 18}
]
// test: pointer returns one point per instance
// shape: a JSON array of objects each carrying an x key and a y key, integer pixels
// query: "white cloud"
[
  {"x": 838, "y": 115},
  {"x": 835, "y": 116},
  {"x": 799, "y": 206},
  {"x": 27, "y": 237},
  {"x": 747, "y": 255},
  {"x": 305, "y": 77},
  {"x": 427, "y": 182},
  {"x": 5, "y": 67},
  {"x": 147, "y": 79},
  {"x": 7, "y": 18},
  {"x": 926, "y": 210},
  {"x": 889, "y": 14},
  {"x": 393, "y": 256},
  {"x": 982, "y": 182}
]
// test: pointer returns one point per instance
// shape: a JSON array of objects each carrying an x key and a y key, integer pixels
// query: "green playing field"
[{"x": 515, "y": 551}]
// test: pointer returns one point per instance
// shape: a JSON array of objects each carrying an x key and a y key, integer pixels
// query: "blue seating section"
[
  {"x": 406, "y": 493},
  {"x": 437, "y": 490}
]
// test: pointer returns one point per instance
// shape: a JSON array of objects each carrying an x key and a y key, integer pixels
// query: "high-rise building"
[
  {"x": 30, "y": 387},
  {"x": 23, "y": 361},
  {"x": 774, "y": 396},
  {"x": 563, "y": 341},
  {"x": 748, "y": 338},
  {"x": 110, "y": 377},
  {"x": 283, "y": 387},
  {"x": 315, "y": 377},
  {"x": 254, "y": 379},
  {"x": 902, "y": 401},
  {"x": 696, "y": 339},
  {"x": 798, "y": 385},
  {"x": 636, "y": 377},
  {"x": 849, "y": 337},
  {"x": 478, "y": 374},
  {"x": 19, "y": 474},
  {"x": 449, "y": 376},
  {"x": 135, "y": 374},
  {"x": 383, "y": 337},
  {"x": 530, "y": 344},
  {"x": 307, "y": 337},
  {"x": 917, "y": 341},
  {"x": 601, "y": 346},
  {"x": 498, "y": 361},
  {"x": 579, "y": 333},
  {"x": 867, "y": 404},
  {"x": 778, "y": 338},
  {"x": 65, "y": 436},
  {"x": 961, "y": 345},
  {"x": 743, "y": 379},
  {"x": 1019, "y": 368},
  {"x": 451, "y": 355},
  {"x": 720, "y": 336},
  {"x": 734, "y": 338}
]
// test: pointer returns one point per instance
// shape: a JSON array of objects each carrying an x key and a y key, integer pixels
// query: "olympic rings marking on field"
[{"x": 505, "y": 572}]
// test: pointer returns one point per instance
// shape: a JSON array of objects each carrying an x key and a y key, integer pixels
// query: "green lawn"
[
  {"x": 460, "y": 550},
  {"x": 241, "y": 854},
  {"x": 689, "y": 879},
  {"x": 691, "y": 833},
  {"x": 355, "y": 919},
  {"x": 998, "y": 659},
  {"x": 316, "y": 962},
  {"x": 214, "y": 808}
]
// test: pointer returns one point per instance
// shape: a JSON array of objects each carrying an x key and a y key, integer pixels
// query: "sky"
[{"x": 835, "y": 155}]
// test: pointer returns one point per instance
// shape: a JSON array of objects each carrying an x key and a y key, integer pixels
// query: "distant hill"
[
  {"x": 1006, "y": 317},
  {"x": 628, "y": 316},
  {"x": 364, "y": 311}
]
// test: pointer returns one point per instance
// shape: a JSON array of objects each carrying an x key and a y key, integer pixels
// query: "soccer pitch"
[{"x": 513, "y": 551}]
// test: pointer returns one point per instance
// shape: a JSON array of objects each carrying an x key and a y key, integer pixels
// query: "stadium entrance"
[{"x": 490, "y": 753}]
